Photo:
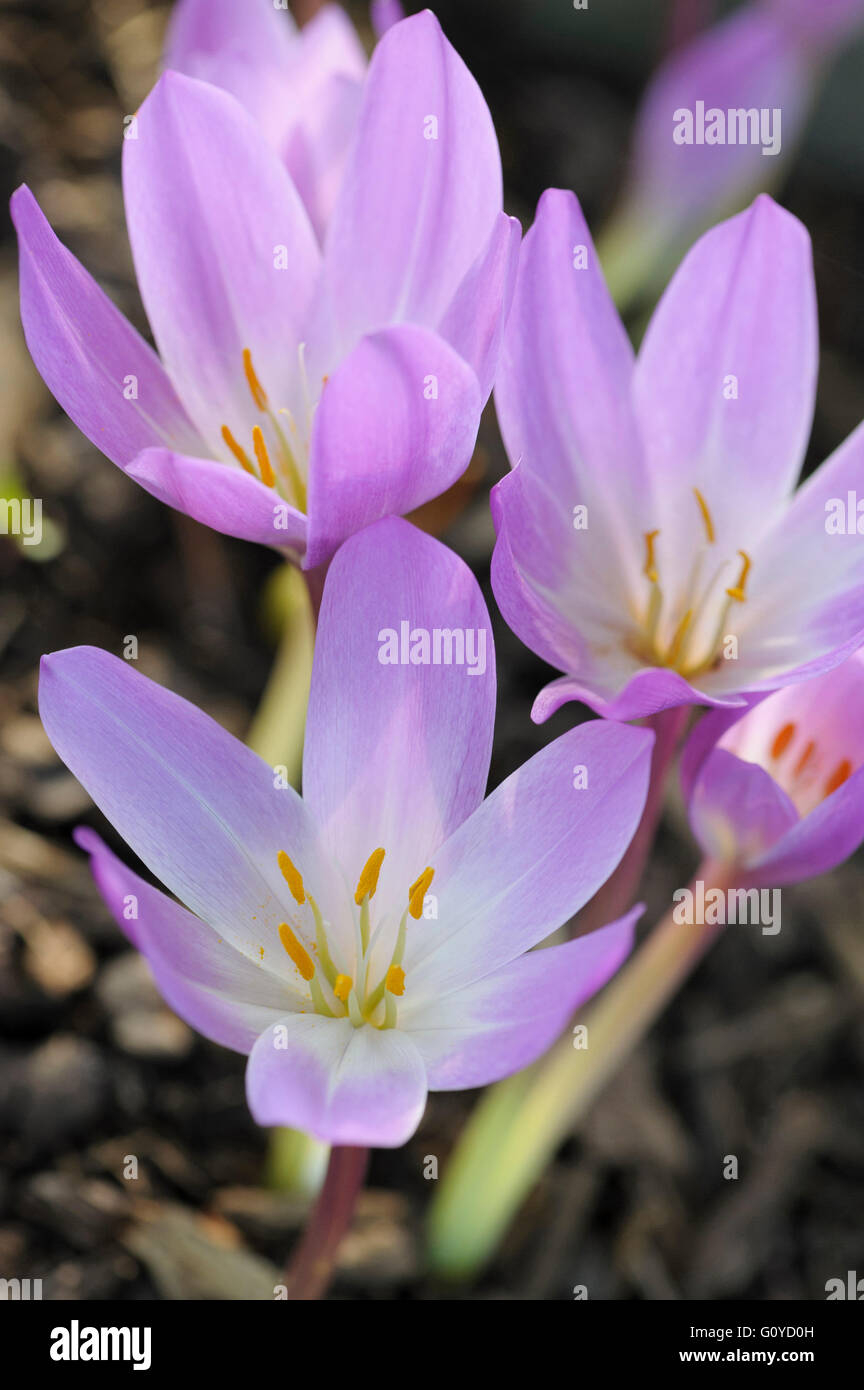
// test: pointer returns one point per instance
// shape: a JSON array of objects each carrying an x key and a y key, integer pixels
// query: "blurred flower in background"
[
  {"x": 303, "y": 86},
  {"x": 779, "y": 790},
  {"x": 766, "y": 58}
]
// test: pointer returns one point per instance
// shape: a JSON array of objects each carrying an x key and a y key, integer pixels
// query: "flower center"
[
  {"x": 334, "y": 991},
  {"x": 681, "y": 636},
  {"x": 283, "y": 463},
  {"x": 802, "y": 769}
]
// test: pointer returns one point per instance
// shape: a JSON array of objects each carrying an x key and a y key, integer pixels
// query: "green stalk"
[
  {"x": 295, "y": 1161},
  {"x": 277, "y": 729},
  {"x": 517, "y": 1127}
]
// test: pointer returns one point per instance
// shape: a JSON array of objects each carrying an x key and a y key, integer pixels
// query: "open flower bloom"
[
  {"x": 718, "y": 124},
  {"x": 302, "y": 86},
  {"x": 779, "y": 790},
  {"x": 367, "y": 942},
  {"x": 299, "y": 395},
  {"x": 649, "y": 542}
]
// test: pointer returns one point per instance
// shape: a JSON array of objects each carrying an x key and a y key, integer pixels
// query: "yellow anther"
[
  {"x": 342, "y": 987},
  {"x": 256, "y": 390},
  {"x": 268, "y": 477},
  {"x": 296, "y": 951},
  {"x": 782, "y": 741},
  {"x": 706, "y": 515},
  {"x": 368, "y": 880},
  {"x": 417, "y": 892},
  {"x": 394, "y": 981},
  {"x": 292, "y": 877},
  {"x": 240, "y": 454},
  {"x": 841, "y": 774},
  {"x": 738, "y": 592},
  {"x": 650, "y": 570}
]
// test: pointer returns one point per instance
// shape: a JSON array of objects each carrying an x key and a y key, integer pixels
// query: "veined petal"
[
  {"x": 421, "y": 191},
  {"x": 474, "y": 321},
  {"x": 345, "y": 1085},
  {"x": 216, "y": 989},
  {"x": 726, "y": 379},
  {"x": 563, "y": 388},
  {"x": 316, "y": 146},
  {"x": 202, "y": 811},
  {"x": 805, "y": 606},
  {"x": 103, "y": 374},
  {"x": 397, "y": 754},
  {"x": 649, "y": 691},
  {"x": 221, "y": 497},
  {"x": 225, "y": 255},
  {"x": 820, "y": 841},
  {"x": 532, "y": 854},
  {"x": 395, "y": 426},
  {"x": 486, "y": 1030}
]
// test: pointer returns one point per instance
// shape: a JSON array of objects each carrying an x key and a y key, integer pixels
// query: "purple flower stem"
[
  {"x": 311, "y": 1266},
  {"x": 619, "y": 891}
]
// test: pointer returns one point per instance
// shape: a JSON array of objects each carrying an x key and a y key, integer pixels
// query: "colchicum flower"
[
  {"x": 649, "y": 545},
  {"x": 302, "y": 86},
  {"x": 366, "y": 943},
  {"x": 778, "y": 791},
  {"x": 300, "y": 395}
]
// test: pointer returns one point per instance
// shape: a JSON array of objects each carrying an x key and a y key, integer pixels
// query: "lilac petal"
[
  {"x": 703, "y": 738},
  {"x": 474, "y": 322},
  {"x": 563, "y": 388},
  {"x": 204, "y": 813},
  {"x": 651, "y": 690},
  {"x": 805, "y": 606},
  {"x": 215, "y": 27},
  {"x": 103, "y": 374},
  {"x": 533, "y": 853},
  {"x": 316, "y": 147},
  {"x": 384, "y": 14},
  {"x": 414, "y": 211},
  {"x": 498, "y": 1025},
  {"x": 214, "y": 988},
  {"x": 737, "y": 810},
  {"x": 819, "y": 841},
  {"x": 743, "y": 304},
  {"x": 531, "y": 592},
  {"x": 395, "y": 426},
  {"x": 396, "y": 755},
  {"x": 209, "y": 206},
  {"x": 345, "y": 1085},
  {"x": 563, "y": 398},
  {"x": 221, "y": 497}
]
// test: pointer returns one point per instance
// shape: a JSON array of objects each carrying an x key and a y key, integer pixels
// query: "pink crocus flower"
[
  {"x": 298, "y": 394},
  {"x": 650, "y": 544},
  {"x": 303, "y": 87},
  {"x": 778, "y": 790},
  {"x": 367, "y": 943}
]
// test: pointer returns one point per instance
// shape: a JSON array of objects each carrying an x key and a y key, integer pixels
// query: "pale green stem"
[
  {"x": 517, "y": 1127},
  {"x": 295, "y": 1161},
  {"x": 277, "y": 730}
]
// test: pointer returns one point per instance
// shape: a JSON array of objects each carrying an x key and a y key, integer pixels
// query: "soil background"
[{"x": 761, "y": 1054}]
